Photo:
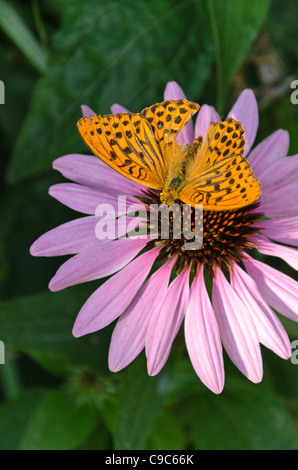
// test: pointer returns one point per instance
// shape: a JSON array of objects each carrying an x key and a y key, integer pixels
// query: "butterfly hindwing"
[
  {"x": 171, "y": 116},
  {"x": 220, "y": 177},
  {"x": 127, "y": 144}
]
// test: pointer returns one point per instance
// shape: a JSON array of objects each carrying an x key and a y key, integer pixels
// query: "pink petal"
[
  {"x": 282, "y": 230},
  {"x": 270, "y": 150},
  {"x": 74, "y": 236},
  {"x": 84, "y": 199},
  {"x": 114, "y": 296},
  {"x": 129, "y": 335},
  {"x": 202, "y": 336},
  {"x": 266, "y": 247},
  {"x": 281, "y": 173},
  {"x": 86, "y": 111},
  {"x": 67, "y": 239},
  {"x": 245, "y": 110},
  {"x": 92, "y": 172},
  {"x": 117, "y": 109},
  {"x": 206, "y": 115},
  {"x": 165, "y": 323},
  {"x": 112, "y": 228},
  {"x": 280, "y": 203},
  {"x": 96, "y": 262},
  {"x": 173, "y": 91},
  {"x": 270, "y": 331},
  {"x": 237, "y": 329},
  {"x": 279, "y": 290}
]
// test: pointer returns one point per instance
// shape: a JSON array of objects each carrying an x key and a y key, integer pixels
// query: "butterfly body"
[
  {"x": 178, "y": 174},
  {"x": 143, "y": 148}
]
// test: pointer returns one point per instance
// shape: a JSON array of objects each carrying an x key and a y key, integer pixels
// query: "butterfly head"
[{"x": 168, "y": 197}]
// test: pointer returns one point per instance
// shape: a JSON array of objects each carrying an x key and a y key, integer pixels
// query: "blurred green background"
[{"x": 56, "y": 391}]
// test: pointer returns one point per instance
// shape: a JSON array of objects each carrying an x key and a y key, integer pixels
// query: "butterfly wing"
[
  {"x": 170, "y": 117},
  {"x": 220, "y": 177},
  {"x": 126, "y": 143},
  {"x": 133, "y": 144}
]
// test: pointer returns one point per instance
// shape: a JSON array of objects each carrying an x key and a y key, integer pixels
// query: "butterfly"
[{"x": 143, "y": 148}]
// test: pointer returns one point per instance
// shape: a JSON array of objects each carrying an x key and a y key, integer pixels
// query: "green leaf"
[
  {"x": 282, "y": 28},
  {"x": 107, "y": 52},
  {"x": 234, "y": 24},
  {"x": 139, "y": 408},
  {"x": 41, "y": 326},
  {"x": 14, "y": 417},
  {"x": 184, "y": 381},
  {"x": 100, "y": 439},
  {"x": 17, "y": 97},
  {"x": 284, "y": 373},
  {"x": 57, "y": 424},
  {"x": 251, "y": 417},
  {"x": 10, "y": 380},
  {"x": 17, "y": 30},
  {"x": 167, "y": 434}
]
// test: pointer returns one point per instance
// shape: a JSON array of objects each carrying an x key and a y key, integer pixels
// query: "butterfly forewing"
[
  {"x": 220, "y": 177},
  {"x": 133, "y": 144},
  {"x": 127, "y": 144}
]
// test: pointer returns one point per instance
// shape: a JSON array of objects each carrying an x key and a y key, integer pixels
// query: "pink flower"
[{"x": 150, "y": 309}]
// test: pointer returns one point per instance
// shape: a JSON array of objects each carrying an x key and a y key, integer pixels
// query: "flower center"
[{"x": 224, "y": 236}]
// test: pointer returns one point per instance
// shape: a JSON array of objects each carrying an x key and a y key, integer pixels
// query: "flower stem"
[{"x": 216, "y": 40}]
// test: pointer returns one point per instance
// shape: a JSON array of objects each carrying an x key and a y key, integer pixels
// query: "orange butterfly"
[{"x": 143, "y": 148}]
